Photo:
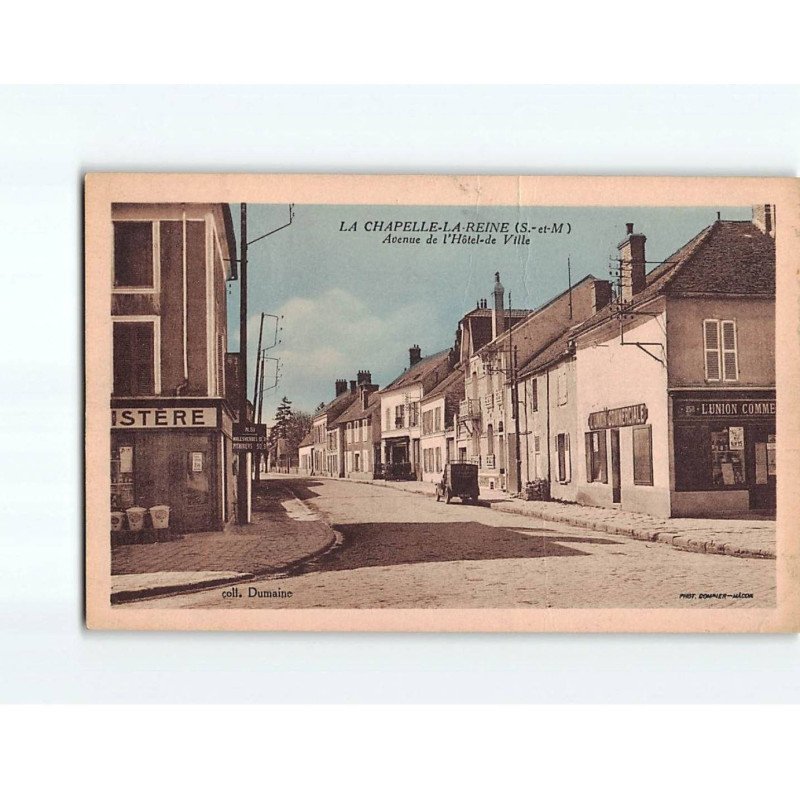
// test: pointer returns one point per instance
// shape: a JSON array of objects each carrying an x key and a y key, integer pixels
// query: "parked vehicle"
[{"x": 459, "y": 480}]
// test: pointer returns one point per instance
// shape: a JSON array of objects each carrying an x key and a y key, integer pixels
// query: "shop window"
[
  {"x": 721, "y": 356},
  {"x": 133, "y": 255},
  {"x": 563, "y": 457},
  {"x": 134, "y": 358},
  {"x": 122, "y": 485},
  {"x": 727, "y": 456},
  {"x": 596, "y": 458},
  {"x": 643, "y": 456}
]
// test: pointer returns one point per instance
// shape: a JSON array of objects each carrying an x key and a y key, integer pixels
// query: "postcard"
[{"x": 441, "y": 403}]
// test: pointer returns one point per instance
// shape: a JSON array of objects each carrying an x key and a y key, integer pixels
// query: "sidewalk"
[
  {"x": 284, "y": 532},
  {"x": 744, "y": 538}
]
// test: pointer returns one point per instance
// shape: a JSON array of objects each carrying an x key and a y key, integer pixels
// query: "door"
[
  {"x": 762, "y": 474},
  {"x": 416, "y": 465},
  {"x": 192, "y": 480},
  {"x": 616, "y": 491}
]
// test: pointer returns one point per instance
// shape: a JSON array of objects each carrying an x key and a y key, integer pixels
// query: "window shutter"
[
  {"x": 567, "y": 458},
  {"x": 712, "y": 349},
  {"x": 730, "y": 359},
  {"x": 587, "y": 437},
  {"x": 603, "y": 457}
]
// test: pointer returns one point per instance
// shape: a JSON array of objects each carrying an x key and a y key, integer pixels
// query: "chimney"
[
  {"x": 366, "y": 390},
  {"x": 764, "y": 219},
  {"x": 498, "y": 316},
  {"x": 341, "y": 386},
  {"x": 364, "y": 376},
  {"x": 601, "y": 295},
  {"x": 414, "y": 355},
  {"x": 352, "y": 387},
  {"x": 632, "y": 262}
]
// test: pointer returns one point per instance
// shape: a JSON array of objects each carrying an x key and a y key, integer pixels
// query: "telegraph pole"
[
  {"x": 243, "y": 477},
  {"x": 515, "y": 403}
]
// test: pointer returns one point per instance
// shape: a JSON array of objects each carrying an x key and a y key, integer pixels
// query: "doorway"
[
  {"x": 616, "y": 491},
  {"x": 762, "y": 476}
]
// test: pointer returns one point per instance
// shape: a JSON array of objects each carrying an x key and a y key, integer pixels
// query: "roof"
[
  {"x": 307, "y": 440},
  {"x": 488, "y": 312},
  {"x": 420, "y": 371},
  {"x": 518, "y": 331},
  {"x": 726, "y": 258},
  {"x": 451, "y": 386},
  {"x": 356, "y": 411},
  {"x": 553, "y": 351},
  {"x": 336, "y": 407}
]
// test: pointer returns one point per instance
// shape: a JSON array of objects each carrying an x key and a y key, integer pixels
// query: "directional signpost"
[{"x": 249, "y": 436}]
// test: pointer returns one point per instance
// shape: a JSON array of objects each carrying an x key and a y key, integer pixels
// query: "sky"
[{"x": 347, "y": 301}]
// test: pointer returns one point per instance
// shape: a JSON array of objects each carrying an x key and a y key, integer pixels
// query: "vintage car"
[{"x": 458, "y": 480}]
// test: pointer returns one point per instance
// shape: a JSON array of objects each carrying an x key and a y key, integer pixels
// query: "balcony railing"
[{"x": 469, "y": 409}]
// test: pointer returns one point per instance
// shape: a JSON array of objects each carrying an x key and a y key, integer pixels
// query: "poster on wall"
[{"x": 394, "y": 349}]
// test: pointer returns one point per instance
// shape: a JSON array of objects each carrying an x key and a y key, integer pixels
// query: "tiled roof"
[
  {"x": 451, "y": 386},
  {"x": 356, "y": 411},
  {"x": 307, "y": 440},
  {"x": 552, "y": 351},
  {"x": 727, "y": 257},
  {"x": 519, "y": 331},
  {"x": 420, "y": 371},
  {"x": 336, "y": 407}
]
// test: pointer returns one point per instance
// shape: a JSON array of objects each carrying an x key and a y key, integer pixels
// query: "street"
[{"x": 403, "y": 550}]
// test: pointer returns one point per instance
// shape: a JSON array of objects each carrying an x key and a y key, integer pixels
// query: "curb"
[
  {"x": 148, "y": 592},
  {"x": 676, "y": 540}
]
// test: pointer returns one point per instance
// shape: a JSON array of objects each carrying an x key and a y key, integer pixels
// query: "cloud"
[{"x": 334, "y": 335}]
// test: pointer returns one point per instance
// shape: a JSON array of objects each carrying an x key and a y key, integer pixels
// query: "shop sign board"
[
  {"x": 618, "y": 417},
  {"x": 706, "y": 409},
  {"x": 249, "y": 436},
  {"x": 202, "y": 417}
]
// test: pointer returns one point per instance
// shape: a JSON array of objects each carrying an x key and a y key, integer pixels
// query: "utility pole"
[
  {"x": 256, "y": 453},
  {"x": 243, "y": 482}
]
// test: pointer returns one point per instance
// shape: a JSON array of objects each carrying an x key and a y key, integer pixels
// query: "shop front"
[
  {"x": 724, "y": 452},
  {"x": 176, "y": 453}
]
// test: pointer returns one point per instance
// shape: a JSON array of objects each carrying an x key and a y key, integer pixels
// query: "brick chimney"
[
  {"x": 366, "y": 390},
  {"x": 414, "y": 355},
  {"x": 352, "y": 387},
  {"x": 498, "y": 315},
  {"x": 341, "y": 386},
  {"x": 764, "y": 219},
  {"x": 601, "y": 295},
  {"x": 632, "y": 262},
  {"x": 364, "y": 376}
]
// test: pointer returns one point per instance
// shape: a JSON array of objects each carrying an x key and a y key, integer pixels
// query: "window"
[
  {"x": 534, "y": 395},
  {"x": 721, "y": 356},
  {"x": 643, "y": 456},
  {"x": 427, "y": 422},
  {"x": 399, "y": 416},
  {"x": 596, "y": 460},
  {"x": 134, "y": 359},
  {"x": 561, "y": 387},
  {"x": 562, "y": 451},
  {"x": 388, "y": 425},
  {"x": 438, "y": 459},
  {"x": 437, "y": 418},
  {"x": 413, "y": 415},
  {"x": 134, "y": 255},
  {"x": 727, "y": 456}
]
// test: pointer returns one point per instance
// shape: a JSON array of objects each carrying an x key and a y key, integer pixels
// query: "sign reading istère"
[
  {"x": 164, "y": 417},
  {"x": 618, "y": 417}
]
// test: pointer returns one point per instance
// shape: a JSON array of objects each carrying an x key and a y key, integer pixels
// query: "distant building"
[
  {"x": 401, "y": 423},
  {"x": 306, "y": 454},
  {"x": 360, "y": 430},
  {"x": 439, "y": 410},
  {"x": 171, "y": 411}
]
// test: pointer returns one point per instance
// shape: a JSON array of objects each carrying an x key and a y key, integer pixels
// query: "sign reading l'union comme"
[
  {"x": 164, "y": 417},
  {"x": 686, "y": 409},
  {"x": 618, "y": 417}
]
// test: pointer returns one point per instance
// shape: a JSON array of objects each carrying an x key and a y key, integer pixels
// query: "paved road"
[{"x": 402, "y": 550}]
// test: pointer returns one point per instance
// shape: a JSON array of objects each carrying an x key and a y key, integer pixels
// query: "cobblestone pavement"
[
  {"x": 403, "y": 550},
  {"x": 284, "y": 530},
  {"x": 748, "y": 538}
]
